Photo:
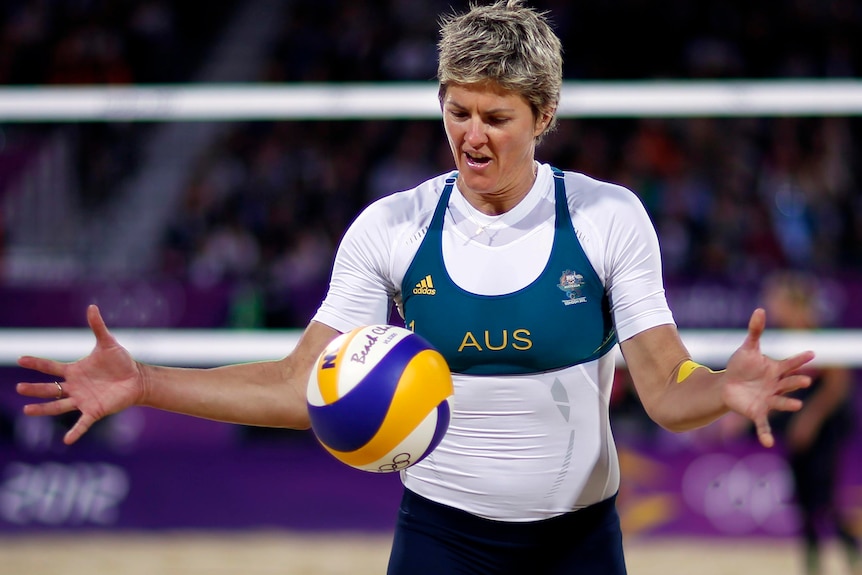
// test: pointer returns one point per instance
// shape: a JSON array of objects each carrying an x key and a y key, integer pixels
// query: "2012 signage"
[{"x": 61, "y": 494}]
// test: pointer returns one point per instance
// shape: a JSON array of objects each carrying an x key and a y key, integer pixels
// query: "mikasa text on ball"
[{"x": 378, "y": 398}]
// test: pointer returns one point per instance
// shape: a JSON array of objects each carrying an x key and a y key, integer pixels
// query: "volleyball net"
[
  {"x": 193, "y": 347},
  {"x": 239, "y": 102}
]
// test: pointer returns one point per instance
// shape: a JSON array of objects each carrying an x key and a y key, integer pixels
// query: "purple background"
[
  {"x": 701, "y": 304},
  {"x": 146, "y": 469}
]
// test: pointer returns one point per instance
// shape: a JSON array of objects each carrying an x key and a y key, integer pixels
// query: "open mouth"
[{"x": 477, "y": 161}]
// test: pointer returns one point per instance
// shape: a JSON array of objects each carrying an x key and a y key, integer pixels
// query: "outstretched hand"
[
  {"x": 757, "y": 384},
  {"x": 106, "y": 381}
]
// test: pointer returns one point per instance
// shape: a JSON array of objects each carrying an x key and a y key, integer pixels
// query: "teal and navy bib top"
[{"x": 559, "y": 320}]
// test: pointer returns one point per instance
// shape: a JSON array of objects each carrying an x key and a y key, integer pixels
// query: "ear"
[{"x": 543, "y": 121}]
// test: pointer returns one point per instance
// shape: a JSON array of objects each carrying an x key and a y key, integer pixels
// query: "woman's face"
[{"x": 492, "y": 134}]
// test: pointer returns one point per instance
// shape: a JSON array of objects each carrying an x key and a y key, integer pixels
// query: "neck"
[{"x": 503, "y": 200}]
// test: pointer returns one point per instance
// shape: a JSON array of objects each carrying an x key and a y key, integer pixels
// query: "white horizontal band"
[
  {"x": 189, "y": 347},
  {"x": 392, "y": 100}
]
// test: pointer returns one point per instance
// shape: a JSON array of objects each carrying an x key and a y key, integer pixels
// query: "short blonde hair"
[{"x": 505, "y": 43}]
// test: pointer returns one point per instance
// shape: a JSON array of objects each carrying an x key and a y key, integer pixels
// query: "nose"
[{"x": 476, "y": 132}]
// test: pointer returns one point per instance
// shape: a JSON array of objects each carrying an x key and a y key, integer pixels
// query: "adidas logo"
[{"x": 425, "y": 287}]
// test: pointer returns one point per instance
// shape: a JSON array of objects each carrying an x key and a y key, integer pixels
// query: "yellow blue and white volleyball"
[{"x": 379, "y": 398}]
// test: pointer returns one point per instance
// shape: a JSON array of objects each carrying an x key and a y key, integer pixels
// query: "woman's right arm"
[{"x": 108, "y": 380}]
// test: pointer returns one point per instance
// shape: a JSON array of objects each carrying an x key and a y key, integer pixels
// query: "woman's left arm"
[{"x": 680, "y": 395}]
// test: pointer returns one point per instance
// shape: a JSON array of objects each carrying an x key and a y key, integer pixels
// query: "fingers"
[
  {"x": 54, "y": 408},
  {"x": 79, "y": 429},
  {"x": 791, "y": 364},
  {"x": 764, "y": 433},
  {"x": 782, "y": 403},
  {"x": 50, "y": 408},
  {"x": 51, "y": 391},
  {"x": 756, "y": 326},
  {"x": 49, "y": 366},
  {"x": 792, "y": 382},
  {"x": 97, "y": 324},
  {"x": 38, "y": 390}
]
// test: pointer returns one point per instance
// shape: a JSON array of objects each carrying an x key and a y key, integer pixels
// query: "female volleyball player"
[
  {"x": 815, "y": 437},
  {"x": 537, "y": 274}
]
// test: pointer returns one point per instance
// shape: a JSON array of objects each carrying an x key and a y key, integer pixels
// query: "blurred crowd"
[
  {"x": 105, "y": 42},
  {"x": 731, "y": 198},
  {"x": 71, "y": 42},
  {"x": 266, "y": 205}
]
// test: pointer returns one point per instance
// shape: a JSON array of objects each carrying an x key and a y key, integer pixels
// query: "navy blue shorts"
[{"x": 435, "y": 539}]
